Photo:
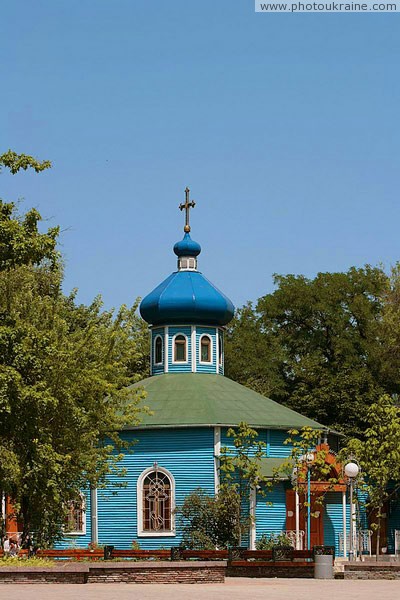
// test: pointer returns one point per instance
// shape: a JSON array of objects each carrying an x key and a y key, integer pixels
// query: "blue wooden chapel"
[{"x": 193, "y": 404}]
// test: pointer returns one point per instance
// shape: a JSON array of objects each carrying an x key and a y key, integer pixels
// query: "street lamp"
[
  {"x": 351, "y": 471},
  {"x": 307, "y": 460}
]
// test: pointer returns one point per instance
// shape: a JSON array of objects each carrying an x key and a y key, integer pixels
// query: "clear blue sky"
[{"x": 285, "y": 127}]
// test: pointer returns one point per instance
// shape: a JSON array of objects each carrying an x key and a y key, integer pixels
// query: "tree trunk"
[
  {"x": 26, "y": 529},
  {"x": 378, "y": 537}
]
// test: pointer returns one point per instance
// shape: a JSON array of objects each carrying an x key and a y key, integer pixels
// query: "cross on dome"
[{"x": 187, "y": 206}]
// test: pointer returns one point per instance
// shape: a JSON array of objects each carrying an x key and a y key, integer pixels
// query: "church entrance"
[{"x": 317, "y": 523}]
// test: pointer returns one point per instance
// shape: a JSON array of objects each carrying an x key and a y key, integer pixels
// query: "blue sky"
[{"x": 285, "y": 127}]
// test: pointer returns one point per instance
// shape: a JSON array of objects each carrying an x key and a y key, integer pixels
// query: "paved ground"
[{"x": 233, "y": 589}]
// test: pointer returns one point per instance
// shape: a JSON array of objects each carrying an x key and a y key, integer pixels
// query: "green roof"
[
  {"x": 190, "y": 399},
  {"x": 269, "y": 467}
]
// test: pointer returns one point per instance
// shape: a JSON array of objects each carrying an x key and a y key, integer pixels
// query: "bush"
[{"x": 268, "y": 542}]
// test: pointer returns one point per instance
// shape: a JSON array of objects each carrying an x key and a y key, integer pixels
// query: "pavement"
[{"x": 233, "y": 589}]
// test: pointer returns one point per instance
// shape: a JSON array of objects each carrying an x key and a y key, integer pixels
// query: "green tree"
[
  {"x": 15, "y": 162},
  {"x": 65, "y": 372},
  {"x": 253, "y": 358},
  {"x": 241, "y": 476},
  {"x": 328, "y": 333},
  {"x": 378, "y": 454}
]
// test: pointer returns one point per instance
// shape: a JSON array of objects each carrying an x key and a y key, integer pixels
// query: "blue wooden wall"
[
  {"x": 271, "y": 518},
  {"x": 178, "y": 451},
  {"x": 333, "y": 520}
]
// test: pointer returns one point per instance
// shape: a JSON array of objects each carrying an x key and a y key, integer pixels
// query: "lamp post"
[
  {"x": 307, "y": 460},
  {"x": 351, "y": 470}
]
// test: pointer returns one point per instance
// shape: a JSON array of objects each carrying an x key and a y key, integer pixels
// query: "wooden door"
[
  {"x": 317, "y": 521},
  {"x": 383, "y": 531}
]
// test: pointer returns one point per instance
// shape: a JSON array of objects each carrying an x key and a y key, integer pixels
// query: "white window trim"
[
  {"x": 158, "y": 364},
  {"x": 139, "y": 496},
  {"x": 83, "y": 532},
  {"x": 180, "y": 362},
  {"x": 206, "y": 362},
  {"x": 220, "y": 349}
]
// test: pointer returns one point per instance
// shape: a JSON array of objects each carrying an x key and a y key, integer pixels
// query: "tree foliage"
[
  {"x": 319, "y": 345},
  {"x": 15, "y": 162},
  {"x": 378, "y": 454},
  {"x": 223, "y": 520},
  {"x": 241, "y": 474},
  {"x": 65, "y": 372},
  {"x": 208, "y": 522}
]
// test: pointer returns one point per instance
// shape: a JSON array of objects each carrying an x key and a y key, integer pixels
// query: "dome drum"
[{"x": 187, "y": 349}]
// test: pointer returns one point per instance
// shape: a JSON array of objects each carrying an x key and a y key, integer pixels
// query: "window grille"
[
  {"x": 157, "y": 502},
  {"x": 75, "y": 519}
]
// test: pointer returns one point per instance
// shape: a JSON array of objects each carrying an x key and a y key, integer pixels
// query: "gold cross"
[{"x": 187, "y": 206}]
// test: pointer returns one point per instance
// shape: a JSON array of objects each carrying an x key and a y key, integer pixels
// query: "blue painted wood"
[
  {"x": 276, "y": 447},
  {"x": 212, "y": 333},
  {"x": 333, "y": 520},
  {"x": 157, "y": 331},
  {"x": 271, "y": 519},
  {"x": 179, "y": 367},
  {"x": 176, "y": 450}
]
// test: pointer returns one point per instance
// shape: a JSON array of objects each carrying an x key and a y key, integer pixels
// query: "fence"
[{"x": 362, "y": 542}]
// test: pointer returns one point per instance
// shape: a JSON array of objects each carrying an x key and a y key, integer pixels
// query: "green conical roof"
[{"x": 190, "y": 399}]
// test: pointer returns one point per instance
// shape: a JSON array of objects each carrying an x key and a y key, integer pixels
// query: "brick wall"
[
  {"x": 121, "y": 572},
  {"x": 37, "y": 575},
  {"x": 368, "y": 571},
  {"x": 266, "y": 571}
]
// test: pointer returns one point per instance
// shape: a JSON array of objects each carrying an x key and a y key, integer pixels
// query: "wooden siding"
[
  {"x": 157, "y": 369},
  {"x": 187, "y": 453},
  {"x": 271, "y": 519},
  {"x": 276, "y": 447},
  {"x": 333, "y": 520}
]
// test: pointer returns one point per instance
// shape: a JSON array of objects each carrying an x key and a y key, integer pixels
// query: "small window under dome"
[
  {"x": 158, "y": 350},
  {"x": 220, "y": 349},
  {"x": 205, "y": 349},
  {"x": 180, "y": 349},
  {"x": 187, "y": 263}
]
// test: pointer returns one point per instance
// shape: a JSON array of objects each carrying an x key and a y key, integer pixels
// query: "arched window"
[
  {"x": 155, "y": 502},
  {"x": 205, "y": 349},
  {"x": 75, "y": 520},
  {"x": 180, "y": 348},
  {"x": 220, "y": 348},
  {"x": 158, "y": 350}
]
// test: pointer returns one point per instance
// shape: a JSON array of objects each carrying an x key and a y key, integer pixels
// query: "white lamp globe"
[{"x": 352, "y": 470}]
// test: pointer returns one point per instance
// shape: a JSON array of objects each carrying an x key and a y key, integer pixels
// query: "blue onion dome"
[
  {"x": 187, "y": 247},
  {"x": 186, "y": 297}
]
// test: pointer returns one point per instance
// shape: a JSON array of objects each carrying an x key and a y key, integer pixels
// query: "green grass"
[{"x": 14, "y": 561}]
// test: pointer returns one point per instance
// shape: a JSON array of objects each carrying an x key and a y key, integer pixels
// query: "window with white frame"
[
  {"x": 158, "y": 350},
  {"x": 156, "y": 489},
  {"x": 220, "y": 348},
  {"x": 205, "y": 349},
  {"x": 180, "y": 348},
  {"x": 75, "y": 520}
]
